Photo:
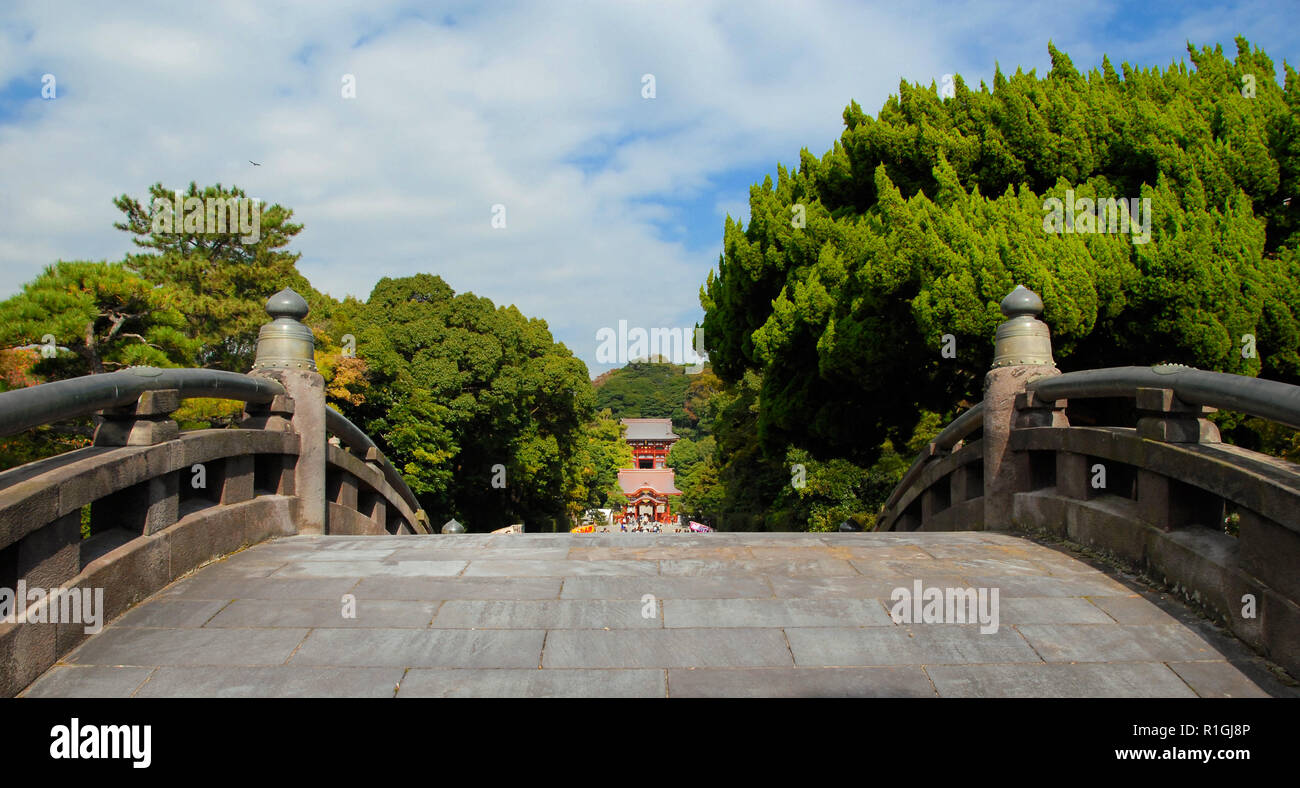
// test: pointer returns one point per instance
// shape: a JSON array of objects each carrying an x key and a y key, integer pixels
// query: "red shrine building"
[{"x": 649, "y": 485}]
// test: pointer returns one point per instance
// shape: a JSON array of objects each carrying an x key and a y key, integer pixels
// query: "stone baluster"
[
  {"x": 1022, "y": 352},
  {"x": 286, "y": 353}
]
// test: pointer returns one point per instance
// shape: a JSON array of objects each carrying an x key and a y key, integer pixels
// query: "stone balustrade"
[{"x": 1159, "y": 493}]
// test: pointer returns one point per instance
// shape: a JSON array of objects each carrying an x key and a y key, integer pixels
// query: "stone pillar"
[
  {"x": 286, "y": 353},
  {"x": 1022, "y": 352}
]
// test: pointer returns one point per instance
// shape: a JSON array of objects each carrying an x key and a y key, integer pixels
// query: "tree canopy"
[
  {"x": 918, "y": 221},
  {"x": 463, "y": 393}
]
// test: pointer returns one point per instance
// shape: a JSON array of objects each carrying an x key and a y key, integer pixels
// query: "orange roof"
[{"x": 659, "y": 480}]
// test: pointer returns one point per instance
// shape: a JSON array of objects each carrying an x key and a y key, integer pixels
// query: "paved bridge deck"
[{"x": 732, "y": 614}]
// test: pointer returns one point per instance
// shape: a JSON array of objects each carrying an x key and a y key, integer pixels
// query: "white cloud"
[{"x": 451, "y": 119}]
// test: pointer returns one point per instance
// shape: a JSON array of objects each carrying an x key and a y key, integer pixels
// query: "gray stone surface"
[
  {"x": 727, "y": 613},
  {"x": 204, "y": 586},
  {"x": 536, "y": 567},
  {"x": 172, "y": 612},
  {"x": 272, "y": 682},
  {"x": 665, "y": 648},
  {"x": 548, "y": 614},
  {"x": 357, "y": 569},
  {"x": 1133, "y": 609},
  {"x": 325, "y": 614},
  {"x": 1050, "y": 610},
  {"x": 640, "y": 615},
  {"x": 1217, "y": 680},
  {"x": 1042, "y": 680},
  {"x": 420, "y": 588},
  {"x": 93, "y": 681},
  {"x": 156, "y": 647},
  {"x": 452, "y": 648},
  {"x": 730, "y": 587},
  {"x": 510, "y": 683},
  {"x": 1117, "y": 643},
  {"x": 903, "y": 682},
  {"x": 923, "y": 644}
]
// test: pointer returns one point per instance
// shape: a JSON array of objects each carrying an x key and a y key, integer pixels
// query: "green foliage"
[
  {"x": 107, "y": 318},
  {"x": 604, "y": 452},
  {"x": 920, "y": 220},
  {"x": 458, "y": 386},
  {"x": 647, "y": 390},
  {"x": 696, "y": 472},
  {"x": 225, "y": 281}
]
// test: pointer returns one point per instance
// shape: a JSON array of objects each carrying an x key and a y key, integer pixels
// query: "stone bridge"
[{"x": 304, "y": 566}]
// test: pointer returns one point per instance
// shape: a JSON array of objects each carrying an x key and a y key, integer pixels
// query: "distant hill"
[{"x": 646, "y": 390}]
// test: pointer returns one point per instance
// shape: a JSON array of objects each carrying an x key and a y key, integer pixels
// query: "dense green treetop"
[
  {"x": 458, "y": 386},
  {"x": 106, "y": 317},
  {"x": 920, "y": 220},
  {"x": 225, "y": 279}
]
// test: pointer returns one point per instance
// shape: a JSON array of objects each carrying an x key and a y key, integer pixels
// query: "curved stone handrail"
[
  {"x": 959, "y": 429},
  {"x": 22, "y": 409},
  {"x": 1267, "y": 399},
  {"x": 353, "y": 437}
]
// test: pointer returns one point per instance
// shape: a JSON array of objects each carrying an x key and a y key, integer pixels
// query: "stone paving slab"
[
  {"x": 902, "y": 682},
  {"x": 727, "y": 613},
  {"x": 437, "y": 648},
  {"x": 926, "y": 644},
  {"x": 878, "y": 552},
  {"x": 1050, "y": 610},
  {"x": 1090, "y": 585},
  {"x": 478, "y": 553},
  {"x": 645, "y": 615},
  {"x": 1217, "y": 680},
  {"x": 91, "y": 681},
  {"x": 548, "y": 614},
  {"x": 157, "y": 647},
  {"x": 1133, "y": 609},
  {"x": 665, "y": 587},
  {"x": 272, "y": 682},
  {"x": 369, "y": 568},
  {"x": 1117, "y": 643},
  {"x": 1091, "y": 680},
  {"x": 508, "y": 683},
  {"x": 559, "y": 568},
  {"x": 665, "y": 648},
  {"x": 325, "y": 614},
  {"x": 660, "y": 552},
  {"x": 857, "y": 586},
  {"x": 173, "y": 612},
  {"x": 437, "y": 588},
  {"x": 802, "y": 567},
  {"x": 205, "y": 586}
]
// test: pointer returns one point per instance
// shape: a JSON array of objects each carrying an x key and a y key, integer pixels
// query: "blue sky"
[{"x": 614, "y": 202}]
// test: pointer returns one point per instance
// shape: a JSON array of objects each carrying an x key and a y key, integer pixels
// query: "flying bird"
[{"x": 255, "y": 164}]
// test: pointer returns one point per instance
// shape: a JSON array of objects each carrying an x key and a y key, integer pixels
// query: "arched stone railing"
[
  {"x": 944, "y": 488},
  {"x": 1151, "y": 486},
  {"x": 365, "y": 493},
  {"x": 160, "y": 502}
]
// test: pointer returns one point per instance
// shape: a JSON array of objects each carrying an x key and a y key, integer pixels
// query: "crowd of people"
[{"x": 645, "y": 524}]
